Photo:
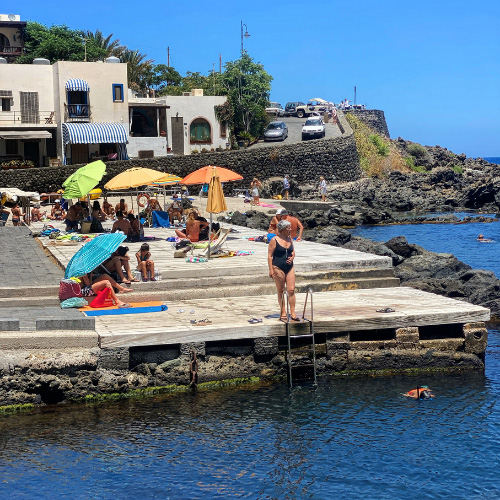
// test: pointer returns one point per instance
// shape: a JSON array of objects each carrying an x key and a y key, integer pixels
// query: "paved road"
[
  {"x": 23, "y": 262},
  {"x": 295, "y": 132}
]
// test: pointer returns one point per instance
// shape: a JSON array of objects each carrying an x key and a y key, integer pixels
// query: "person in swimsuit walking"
[{"x": 280, "y": 258}]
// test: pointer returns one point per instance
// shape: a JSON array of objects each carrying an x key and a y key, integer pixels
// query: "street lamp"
[{"x": 246, "y": 35}]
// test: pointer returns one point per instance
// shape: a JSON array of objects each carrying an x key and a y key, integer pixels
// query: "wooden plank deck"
[{"x": 348, "y": 310}]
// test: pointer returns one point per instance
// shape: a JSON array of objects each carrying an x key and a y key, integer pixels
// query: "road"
[{"x": 295, "y": 132}]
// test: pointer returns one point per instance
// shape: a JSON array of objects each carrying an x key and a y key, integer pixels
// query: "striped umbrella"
[{"x": 92, "y": 254}]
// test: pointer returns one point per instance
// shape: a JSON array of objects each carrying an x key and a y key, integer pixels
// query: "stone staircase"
[{"x": 216, "y": 286}]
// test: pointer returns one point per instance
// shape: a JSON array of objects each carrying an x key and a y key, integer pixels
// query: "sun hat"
[
  {"x": 57, "y": 201},
  {"x": 279, "y": 211}
]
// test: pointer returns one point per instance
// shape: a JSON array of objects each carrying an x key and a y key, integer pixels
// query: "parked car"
[
  {"x": 314, "y": 127},
  {"x": 275, "y": 108},
  {"x": 276, "y": 131},
  {"x": 291, "y": 108},
  {"x": 315, "y": 106}
]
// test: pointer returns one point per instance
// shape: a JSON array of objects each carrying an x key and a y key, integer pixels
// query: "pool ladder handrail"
[{"x": 310, "y": 335}]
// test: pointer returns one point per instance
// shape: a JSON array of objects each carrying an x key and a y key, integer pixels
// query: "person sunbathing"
[
  {"x": 121, "y": 224},
  {"x": 193, "y": 226},
  {"x": 57, "y": 212},
  {"x": 36, "y": 215},
  {"x": 118, "y": 261},
  {"x": 93, "y": 285},
  {"x": 108, "y": 209},
  {"x": 144, "y": 263}
]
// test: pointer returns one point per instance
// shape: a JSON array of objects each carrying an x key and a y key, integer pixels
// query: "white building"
[
  {"x": 175, "y": 125},
  {"x": 11, "y": 36},
  {"x": 73, "y": 112}
]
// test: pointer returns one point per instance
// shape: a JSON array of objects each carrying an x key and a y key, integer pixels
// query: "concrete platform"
[{"x": 340, "y": 311}]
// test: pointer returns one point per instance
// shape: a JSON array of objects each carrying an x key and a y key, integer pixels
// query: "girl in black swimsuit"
[{"x": 280, "y": 259}]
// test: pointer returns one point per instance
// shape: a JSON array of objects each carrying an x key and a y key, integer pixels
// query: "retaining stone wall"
[
  {"x": 336, "y": 159},
  {"x": 374, "y": 118}
]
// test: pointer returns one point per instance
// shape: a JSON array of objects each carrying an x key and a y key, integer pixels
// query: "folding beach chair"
[{"x": 216, "y": 246}]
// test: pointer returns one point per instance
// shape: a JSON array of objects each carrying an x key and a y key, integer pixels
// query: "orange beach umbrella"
[
  {"x": 133, "y": 177},
  {"x": 204, "y": 174}
]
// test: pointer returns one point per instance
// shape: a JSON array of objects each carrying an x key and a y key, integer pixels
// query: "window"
[
  {"x": 11, "y": 147},
  {"x": 223, "y": 129},
  {"x": 5, "y": 104},
  {"x": 200, "y": 131},
  {"x": 117, "y": 92}
]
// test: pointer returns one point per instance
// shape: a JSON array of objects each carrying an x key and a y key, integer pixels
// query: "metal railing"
[
  {"x": 77, "y": 112},
  {"x": 17, "y": 118},
  {"x": 11, "y": 50}
]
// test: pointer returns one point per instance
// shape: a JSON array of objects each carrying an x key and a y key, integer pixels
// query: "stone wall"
[
  {"x": 336, "y": 159},
  {"x": 374, "y": 118}
]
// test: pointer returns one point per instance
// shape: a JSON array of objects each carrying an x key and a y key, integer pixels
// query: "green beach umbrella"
[{"x": 78, "y": 184}]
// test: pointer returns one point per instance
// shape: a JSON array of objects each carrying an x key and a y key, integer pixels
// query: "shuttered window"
[{"x": 29, "y": 107}]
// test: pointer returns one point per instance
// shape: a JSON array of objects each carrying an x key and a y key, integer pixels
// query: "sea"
[
  {"x": 493, "y": 159},
  {"x": 347, "y": 438}
]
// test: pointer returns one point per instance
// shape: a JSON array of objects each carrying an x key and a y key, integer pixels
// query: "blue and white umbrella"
[{"x": 92, "y": 254}]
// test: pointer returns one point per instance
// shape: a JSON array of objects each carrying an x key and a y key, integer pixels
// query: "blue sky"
[{"x": 433, "y": 66}]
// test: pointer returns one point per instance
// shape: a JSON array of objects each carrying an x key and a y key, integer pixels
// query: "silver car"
[{"x": 276, "y": 131}]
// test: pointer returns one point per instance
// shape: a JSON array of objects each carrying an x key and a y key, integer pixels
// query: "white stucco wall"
[
  {"x": 156, "y": 144},
  {"x": 26, "y": 78},
  {"x": 190, "y": 108}
]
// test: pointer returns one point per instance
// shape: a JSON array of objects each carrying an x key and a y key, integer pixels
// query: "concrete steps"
[{"x": 215, "y": 287}]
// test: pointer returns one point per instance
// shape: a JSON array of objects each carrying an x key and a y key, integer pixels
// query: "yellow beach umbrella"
[
  {"x": 216, "y": 202},
  {"x": 133, "y": 177}
]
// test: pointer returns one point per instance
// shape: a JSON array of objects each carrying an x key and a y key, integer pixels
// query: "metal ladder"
[{"x": 291, "y": 338}]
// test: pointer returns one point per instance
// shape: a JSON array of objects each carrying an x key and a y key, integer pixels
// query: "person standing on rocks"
[
  {"x": 322, "y": 188},
  {"x": 286, "y": 187},
  {"x": 255, "y": 185},
  {"x": 280, "y": 258}
]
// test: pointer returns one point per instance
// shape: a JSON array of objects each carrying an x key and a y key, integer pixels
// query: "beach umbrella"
[
  {"x": 79, "y": 183},
  {"x": 92, "y": 254},
  {"x": 204, "y": 174},
  {"x": 215, "y": 202},
  {"x": 133, "y": 177},
  {"x": 167, "y": 179}
]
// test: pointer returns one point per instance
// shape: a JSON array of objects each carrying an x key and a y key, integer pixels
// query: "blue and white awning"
[
  {"x": 94, "y": 133},
  {"x": 77, "y": 84}
]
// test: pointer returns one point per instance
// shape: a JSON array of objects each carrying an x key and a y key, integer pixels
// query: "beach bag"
[
  {"x": 103, "y": 299},
  {"x": 69, "y": 289}
]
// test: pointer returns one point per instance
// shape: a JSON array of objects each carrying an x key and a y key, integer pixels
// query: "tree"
[
  {"x": 165, "y": 77},
  {"x": 140, "y": 72},
  {"x": 112, "y": 47},
  {"x": 58, "y": 43},
  {"x": 248, "y": 87}
]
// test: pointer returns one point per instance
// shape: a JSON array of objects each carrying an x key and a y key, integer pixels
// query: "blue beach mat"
[{"x": 135, "y": 309}]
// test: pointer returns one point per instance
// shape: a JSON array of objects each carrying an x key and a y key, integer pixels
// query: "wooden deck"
[{"x": 348, "y": 310}]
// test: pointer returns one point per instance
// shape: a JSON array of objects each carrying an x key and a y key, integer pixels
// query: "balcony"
[
  {"x": 77, "y": 112},
  {"x": 18, "y": 119},
  {"x": 11, "y": 51}
]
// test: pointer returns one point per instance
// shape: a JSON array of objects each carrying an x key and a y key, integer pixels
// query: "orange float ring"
[{"x": 141, "y": 203}]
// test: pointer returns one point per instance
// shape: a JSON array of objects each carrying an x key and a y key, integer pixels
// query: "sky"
[{"x": 433, "y": 66}]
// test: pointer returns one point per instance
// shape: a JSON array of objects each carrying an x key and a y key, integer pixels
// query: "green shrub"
[
  {"x": 410, "y": 161},
  {"x": 417, "y": 150},
  {"x": 194, "y": 151},
  {"x": 419, "y": 169},
  {"x": 458, "y": 169},
  {"x": 380, "y": 144}
]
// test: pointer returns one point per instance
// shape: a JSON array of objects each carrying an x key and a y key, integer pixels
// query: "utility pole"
[
  {"x": 354, "y": 95},
  {"x": 220, "y": 63},
  {"x": 85, "y": 48},
  {"x": 168, "y": 57}
]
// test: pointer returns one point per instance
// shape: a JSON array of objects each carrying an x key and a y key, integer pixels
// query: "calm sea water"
[
  {"x": 493, "y": 159},
  {"x": 349, "y": 438}
]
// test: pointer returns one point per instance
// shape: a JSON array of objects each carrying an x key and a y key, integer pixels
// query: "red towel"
[{"x": 103, "y": 299}]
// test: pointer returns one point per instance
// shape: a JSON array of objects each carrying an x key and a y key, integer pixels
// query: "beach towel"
[
  {"x": 160, "y": 219},
  {"x": 136, "y": 308}
]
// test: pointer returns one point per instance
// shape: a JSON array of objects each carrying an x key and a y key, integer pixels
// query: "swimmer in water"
[
  {"x": 482, "y": 239},
  {"x": 422, "y": 392}
]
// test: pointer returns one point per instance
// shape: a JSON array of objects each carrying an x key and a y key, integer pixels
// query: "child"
[{"x": 144, "y": 262}]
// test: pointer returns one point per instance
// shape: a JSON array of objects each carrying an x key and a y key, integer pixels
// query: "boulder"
[{"x": 368, "y": 246}]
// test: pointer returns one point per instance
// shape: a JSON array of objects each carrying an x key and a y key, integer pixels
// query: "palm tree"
[
  {"x": 139, "y": 70},
  {"x": 112, "y": 47}
]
